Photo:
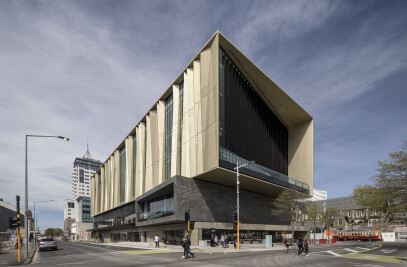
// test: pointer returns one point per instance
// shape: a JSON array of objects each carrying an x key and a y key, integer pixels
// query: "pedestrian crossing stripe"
[
  {"x": 333, "y": 253},
  {"x": 344, "y": 251}
]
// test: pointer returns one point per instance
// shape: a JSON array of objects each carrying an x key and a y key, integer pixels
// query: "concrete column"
[
  {"x": 140, "y": 166},
  {"x": 161, "y": 141},
  {"x": 198, "y": 116},
  {"x": 103, "y": 193},
  {"x": 149, "y": 159},
  {"x": 129, "y": 169},
  {"x": 116, "y": 174},
  {"x": 185, "y": 166},
  {"x": 175, "y": 157}
]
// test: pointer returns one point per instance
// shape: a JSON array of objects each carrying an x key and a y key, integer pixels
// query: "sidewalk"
[{"x": 9, "y": 257}]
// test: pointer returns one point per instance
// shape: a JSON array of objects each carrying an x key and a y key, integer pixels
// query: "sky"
[{"x": 90, "y": 70}]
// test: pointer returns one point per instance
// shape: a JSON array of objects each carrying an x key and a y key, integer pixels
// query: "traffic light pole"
[
  {"x": 237, "y": 202},
  {"x": 18, "y": 229},
  {"x": 19, "y": 239}
]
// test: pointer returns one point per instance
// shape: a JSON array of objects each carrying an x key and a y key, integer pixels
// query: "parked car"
[{"x": 48, "y": 243}]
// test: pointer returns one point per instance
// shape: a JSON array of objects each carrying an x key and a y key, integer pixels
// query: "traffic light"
[
  {"x": 235, "y": 216},
  {"x": 235, "y": 226},
  {"x": 187, "y": 216},
  {"x": 14, "y": 222}
]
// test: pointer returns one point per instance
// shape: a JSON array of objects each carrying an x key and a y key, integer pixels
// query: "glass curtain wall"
[
  {"x": 247, "y": 125},
  {"x": 133, "y": 189},
  {"x": 181, "y": 124},
  {"x": 122, "y": 174},
  {"x": 168, "y": 135}
]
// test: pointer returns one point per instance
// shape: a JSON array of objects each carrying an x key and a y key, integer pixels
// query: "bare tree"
[{"x": 287, "y": 206}]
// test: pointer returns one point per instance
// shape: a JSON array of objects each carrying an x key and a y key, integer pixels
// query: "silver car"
[{"x": 47, "y": 243}]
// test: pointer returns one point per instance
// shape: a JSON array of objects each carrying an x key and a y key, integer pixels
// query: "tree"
[
  {"x": 53, "y": 232},
  {"x": 328, "y": 218},
  {"x": 312, "y": 213},
  {"x": 388, "y": 191},
  {"x": 286, "y": 206}
]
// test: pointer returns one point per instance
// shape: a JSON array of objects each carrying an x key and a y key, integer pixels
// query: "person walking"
[
  {"x": 300, "y": 242},
  {"x": 287, "y": 244},
  {"x": 164, "y": 241},
  {"x": 234, "y": 240},
  {"x": 157, "y": 241},
  {"x": 222, "y": 241},
  {"x": 306, "y": 248},
  {"x": 215, "y": 240},
  {"x": 187, "y": 246}
]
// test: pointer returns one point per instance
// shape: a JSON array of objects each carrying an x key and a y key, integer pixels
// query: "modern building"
[
  {"x": 222, "y": 110},
  {"x": 77, "y": 210},
  {"x": 83, "y": 169},
  {"x": 70, "y": 214}
]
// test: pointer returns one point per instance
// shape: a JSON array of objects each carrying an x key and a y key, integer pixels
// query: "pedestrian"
[
  {"x": 226, "y": 241},
  {"x": 157, "y": 241},
  {"x": 164, "y": 241},
  {"x": 306, "y": 248},
  {"x": 234, "y": 240},
  {"x": 222, "y": 241},
  {"x": 300, "y": 242},
  {"x": 287, "y": 244},
  {"x": 216, "y": 240},
  {"x": 187, "y": 246}
]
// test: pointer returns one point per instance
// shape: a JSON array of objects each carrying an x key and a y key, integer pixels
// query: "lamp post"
[
  {"x": 35, "y": 220},
  {"x": 237, "y": 197},
  {"x": 36, "y": 216},
  {"x": 26, "y": 182}
]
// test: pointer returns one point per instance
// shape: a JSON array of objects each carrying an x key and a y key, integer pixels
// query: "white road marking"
[
  {"x": 333, "y": 253},
  {"x": 72, "y": 263},
  {"x": 351, "y": 250},
  {"x": 388, "y": 250}
]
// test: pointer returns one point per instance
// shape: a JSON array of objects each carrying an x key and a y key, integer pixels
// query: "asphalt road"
[{"x": 324, "y": 256}]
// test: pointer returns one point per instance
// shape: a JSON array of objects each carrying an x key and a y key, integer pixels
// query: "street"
[{"x": 373, "y": 254}]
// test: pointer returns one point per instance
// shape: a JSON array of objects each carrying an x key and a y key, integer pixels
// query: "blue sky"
[{"x": 73, "y": 67}]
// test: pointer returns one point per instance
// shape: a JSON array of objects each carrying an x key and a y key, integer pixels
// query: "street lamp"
[
  {"x": 36, "y": 217},
  {"x": 237, "y": 196},
  {"x": 35, "y": 220},
  {"x": 26, "y": 182}
]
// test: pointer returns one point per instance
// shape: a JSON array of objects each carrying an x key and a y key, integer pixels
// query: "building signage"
[{"x": 401, "y": 229}]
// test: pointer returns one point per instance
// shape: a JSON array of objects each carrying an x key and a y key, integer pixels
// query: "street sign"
[{"x": 369, "y": 224}]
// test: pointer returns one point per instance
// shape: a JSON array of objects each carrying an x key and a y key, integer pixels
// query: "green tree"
[
  {"x": 49, "y": 232},
  {"x": 388, "y": 191},
  {"x": 286, "y": 206},
  {"x": 53, "y": 232},
  {"x": 328, "y": 218}
]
